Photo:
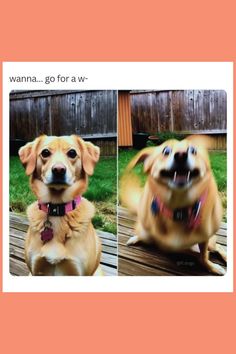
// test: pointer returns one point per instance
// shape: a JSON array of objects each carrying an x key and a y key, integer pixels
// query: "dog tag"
[
  {"x": 180, "y": 215},
  {"x": 47, "y": 233}
]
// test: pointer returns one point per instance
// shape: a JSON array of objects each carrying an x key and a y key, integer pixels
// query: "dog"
[
  {"x": 179, "y": 205},
  {"x": 61, "y": 239}
]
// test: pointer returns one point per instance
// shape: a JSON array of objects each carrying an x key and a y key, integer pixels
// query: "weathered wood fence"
[
  {"x": 90, "y": 114},
  {"x": 194, "y": 111},
  {"x": 159, "y": 111}
]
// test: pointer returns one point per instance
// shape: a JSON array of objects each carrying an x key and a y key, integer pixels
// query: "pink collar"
[
  {"x": 190, "y": 216},
  {"x": 59, "y": 209}
]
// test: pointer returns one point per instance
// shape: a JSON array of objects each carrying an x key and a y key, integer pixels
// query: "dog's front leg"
[
  {"x": 204, "y": 256},
  {"x": 140, "y": 235},
  {"x": 213, "y": 246}
]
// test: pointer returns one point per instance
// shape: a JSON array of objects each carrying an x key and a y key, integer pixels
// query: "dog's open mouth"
[{"x": 180, "y": 177}]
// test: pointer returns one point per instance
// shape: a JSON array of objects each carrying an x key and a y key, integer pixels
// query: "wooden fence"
[
  {"x": 190, "y": 111},
  {"x": 90, "y": 114},
  {"x": 124, "y": 121},
  {"x": 187, "y": 110}
]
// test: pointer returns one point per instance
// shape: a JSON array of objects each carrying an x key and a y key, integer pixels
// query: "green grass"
[
  {"x": 125, "y": 157},
  {"x": 219, "y": 167},
  {"x": 20, "y": 194},
  {"x": 101, "y": 191},
  {"x": 218, "y": 164}
]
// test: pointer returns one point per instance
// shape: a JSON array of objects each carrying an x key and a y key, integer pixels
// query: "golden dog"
[
  {"x": 61, "y": 239},
  {"x": 179, "y": 205}
]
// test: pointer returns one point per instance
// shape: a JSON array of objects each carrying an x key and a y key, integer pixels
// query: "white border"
[{"x": 171, "y": 75}]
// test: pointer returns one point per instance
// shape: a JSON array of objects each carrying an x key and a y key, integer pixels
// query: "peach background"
[{"x": 122, "y": 31}]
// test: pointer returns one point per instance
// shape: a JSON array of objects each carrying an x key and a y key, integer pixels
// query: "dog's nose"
[
  {"x": 181, "y": 157},
  {"x": 58, "y": 170}
]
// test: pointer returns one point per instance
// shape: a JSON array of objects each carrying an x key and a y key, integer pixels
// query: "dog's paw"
[
  {"x": 216, "y": 269},
  {"x": 219, "y": 270},
  {"x": 221, "y": 252},
  {"x": 132, "y": 240}
]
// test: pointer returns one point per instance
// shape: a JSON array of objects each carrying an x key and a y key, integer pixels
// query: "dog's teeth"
[
  {"x": 175, "y": 174},
  {"x": 188, "y": 176}
]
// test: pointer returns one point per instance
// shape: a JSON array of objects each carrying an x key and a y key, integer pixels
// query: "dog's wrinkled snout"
[
  {"x": 58, "y": 170},
  {"x": 181, "y": 157}
]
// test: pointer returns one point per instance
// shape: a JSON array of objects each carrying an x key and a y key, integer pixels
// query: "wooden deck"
[
  {"x": 149, "y": 260},
  {"x": 18, "y": 227}
]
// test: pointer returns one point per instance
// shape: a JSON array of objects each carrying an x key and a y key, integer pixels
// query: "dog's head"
[
  {"x": 177, "y": 164},
  {"x": 59, "y": 162}
]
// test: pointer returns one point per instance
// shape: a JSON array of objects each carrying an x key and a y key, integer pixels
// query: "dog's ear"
[
  {"x": 145, "y": 156},
  {"x": 28, "y": 156},
  {"x": 90, "y": 155}
]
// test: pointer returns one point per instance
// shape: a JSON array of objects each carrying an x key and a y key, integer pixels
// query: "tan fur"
[
  {"x": 168, "y": 234},
  {"x": 75, "y": 248}
]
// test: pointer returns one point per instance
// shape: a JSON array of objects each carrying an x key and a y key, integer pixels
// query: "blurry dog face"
[
  {"x": 59, "y": 162},
  {"x": 177, "y": 164}
]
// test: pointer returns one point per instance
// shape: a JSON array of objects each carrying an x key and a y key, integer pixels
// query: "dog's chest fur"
[{"x": 70, "y": 245}]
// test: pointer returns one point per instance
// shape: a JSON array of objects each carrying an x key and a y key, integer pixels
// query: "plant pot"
[{"x": 140, "y": 140}]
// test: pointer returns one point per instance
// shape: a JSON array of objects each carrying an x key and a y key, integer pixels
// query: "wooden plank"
[
  {"x": 127, "y": 267},
  {"x": 17, "y": 233},
  {"x": 99, "y": 136},
  {"x": 108, "y": 249},
  {"x": 124, "y": 122},
  {"x": 16, "y": 242},
  {"x": 17, "y": 252},
  {"x": 43, "y": 113},
  {"x": 106, "y": 235},
  {"x": 82, "y": 116},
  {"x": 19, "y": 94},
  {"x": 108, "y": 271},
  {"x": 203, "y": 132},
  {"x": 18, "y": 267},
  {"x": 109, "y": 259}
]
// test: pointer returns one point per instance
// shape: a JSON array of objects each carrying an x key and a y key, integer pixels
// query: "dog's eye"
[
  {"x": 192, "y": 150},
  {"x": 166, "y": 151},
  {"x": 71, "y": 153},
  {"x": 45, "y": 153}
]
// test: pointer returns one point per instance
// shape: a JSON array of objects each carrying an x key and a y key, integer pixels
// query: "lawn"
[
  {"x": 102, "y": 191},
  {"x": 218, "y": 164}
]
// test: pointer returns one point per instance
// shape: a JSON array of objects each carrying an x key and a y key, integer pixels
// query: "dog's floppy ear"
[
  {"x": 28, "y": 156},
  {"x": 145, "y": 156},
  {"x": 90, "y": 155}
]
